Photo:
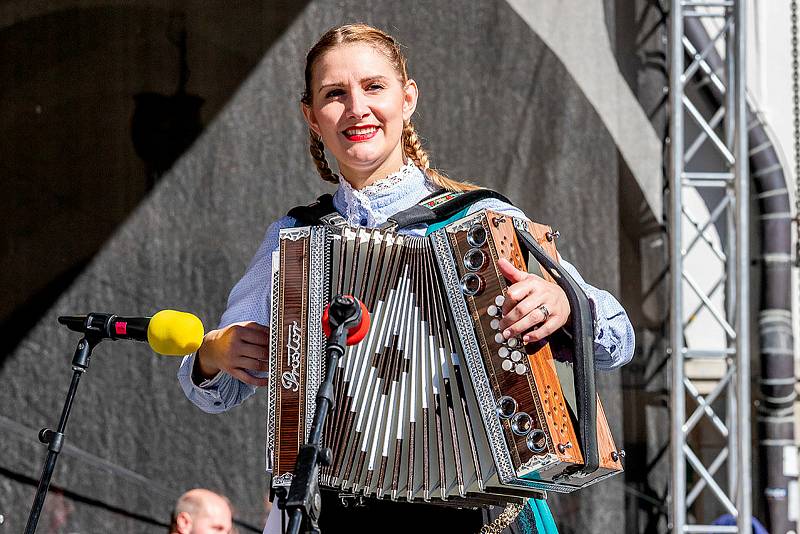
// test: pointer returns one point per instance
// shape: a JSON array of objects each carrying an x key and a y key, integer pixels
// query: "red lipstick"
[{"x": 360, "y": 133}]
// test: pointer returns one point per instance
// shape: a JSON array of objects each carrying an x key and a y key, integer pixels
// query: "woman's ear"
[
  {"x": 410, "y": 96},
  {"x": 311, "y": 119}
]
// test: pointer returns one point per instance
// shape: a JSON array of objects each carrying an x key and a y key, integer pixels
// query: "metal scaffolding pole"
[
  {"x": 676, "y": 155},
  {"x": 743, "y": 323},
  {"x": 710, "y": 266}
]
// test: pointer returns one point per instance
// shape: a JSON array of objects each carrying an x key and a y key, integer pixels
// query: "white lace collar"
[
  {"x": 373, "y": 204},
  {"x": 382, "y": 185}
]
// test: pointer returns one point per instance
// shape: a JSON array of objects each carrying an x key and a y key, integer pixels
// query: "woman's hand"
[
  {"x": 235, "y": 349},
  {"x": 533, "y": 306}
]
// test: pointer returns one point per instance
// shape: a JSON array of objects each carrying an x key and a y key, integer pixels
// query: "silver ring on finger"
[{"x": 545, "y": 312}]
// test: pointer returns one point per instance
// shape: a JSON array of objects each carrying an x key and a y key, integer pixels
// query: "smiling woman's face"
[{"x": 358, "y": 107}]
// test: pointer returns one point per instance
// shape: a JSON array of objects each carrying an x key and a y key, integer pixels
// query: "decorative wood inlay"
[{"x": 290, "y": 416}]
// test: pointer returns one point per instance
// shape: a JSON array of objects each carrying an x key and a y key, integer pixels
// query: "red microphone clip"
[{"x": 354, "y": 334}]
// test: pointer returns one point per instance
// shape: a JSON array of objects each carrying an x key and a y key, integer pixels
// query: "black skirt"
[{"x": 384, "y": 516}]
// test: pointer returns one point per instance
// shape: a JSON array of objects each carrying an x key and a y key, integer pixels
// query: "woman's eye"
[
  {"x": 334, "y": 92},
  {"x": 375, "y": 87}
]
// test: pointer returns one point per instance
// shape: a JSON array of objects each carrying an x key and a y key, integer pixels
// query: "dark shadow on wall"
[
  {"x": 97, "y": 104},
  {"x": 163, "y": 126},
  {"x": 637, "y": 29},
  {"x": 645, "y": 381}
]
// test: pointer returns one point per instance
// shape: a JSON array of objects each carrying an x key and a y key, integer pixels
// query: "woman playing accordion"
[{"x": 358, "y": 103}]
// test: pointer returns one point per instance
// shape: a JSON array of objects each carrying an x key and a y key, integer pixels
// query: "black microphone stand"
[
  {"x": 304, "y": 502},
  {"x": 54, "y": 439}
]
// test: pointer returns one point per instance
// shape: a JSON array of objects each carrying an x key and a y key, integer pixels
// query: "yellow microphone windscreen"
[{"x": 175, "y": 333}]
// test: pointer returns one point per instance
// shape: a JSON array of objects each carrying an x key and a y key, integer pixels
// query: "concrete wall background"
[{"x": 497, "y": 106}]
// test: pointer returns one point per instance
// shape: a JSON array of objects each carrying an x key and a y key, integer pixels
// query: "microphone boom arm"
[{"x": 304, "y": 501}]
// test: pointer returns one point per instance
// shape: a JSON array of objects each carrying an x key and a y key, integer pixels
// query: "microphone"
[
  {"x": 349, "y": 311},
  {"x": 169, "y": 332}
]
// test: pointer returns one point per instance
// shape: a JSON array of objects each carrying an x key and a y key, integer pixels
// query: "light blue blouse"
[{"x": 249, "y": 300}]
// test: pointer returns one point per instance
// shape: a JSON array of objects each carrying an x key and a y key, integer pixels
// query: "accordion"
[{"x": 434, "y": 403}]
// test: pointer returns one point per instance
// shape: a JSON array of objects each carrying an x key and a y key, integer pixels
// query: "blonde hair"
[{"x": 412, "y": 146}]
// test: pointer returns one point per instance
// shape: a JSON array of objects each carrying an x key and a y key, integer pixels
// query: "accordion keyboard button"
[
  {"x": 476, "y": 235},
  {"x": 536, "y": 441},
  {"x": 498, "y": 338},
  {"x": 516, "y": 356},
  {"x": 495, "y": 324},
  {"x": 503, "y": 352},
  {"x": 506, "y": 407},
  {"x": 472, "y": 284},
  {"x": 499, "y": 300},
  {"x": 493, "y": 311},
  {"x": 507, "y": 365},
  {"x": 520, "y": 368},
  {"x": 521, "y": 423},
  {"x": 513, "y": 342}
]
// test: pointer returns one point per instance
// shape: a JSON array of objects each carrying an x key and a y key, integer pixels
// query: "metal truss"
[{"x": 709, "y": 261}]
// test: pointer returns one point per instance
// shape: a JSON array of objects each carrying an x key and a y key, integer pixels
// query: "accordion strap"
[
  {"x": 583, "y": 336},
  {"x": 438, "y": 206},
  {"x": 319, "y": 212}
]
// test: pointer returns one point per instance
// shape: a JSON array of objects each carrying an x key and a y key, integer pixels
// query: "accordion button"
[
  {"x": 495, "y": 324},
  {"x": 498, "y": 338},
  {"x": 493, "y": 311},
  {"x": 516, "y": 356},
  {"x": 499, "y": 300},
  {"x": 503, "y": 352},
  {"x": 521, "y": 423},
  {"x": 474, "y": 259},
  {"x": 472, "y": 284},
  {"x": 506, "y": 407},
  {"x": 520, "y": 368},
  {"x": 513, "y": 342},
  {"x": 507, "y": 365},
  {"x": 476, "y": 235},
  {"x": 536, "y": 441}
]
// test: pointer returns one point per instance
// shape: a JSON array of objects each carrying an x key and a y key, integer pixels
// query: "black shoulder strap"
[
  {"x": 319, "y": 212},
  {"x": 439, "y": 206}
]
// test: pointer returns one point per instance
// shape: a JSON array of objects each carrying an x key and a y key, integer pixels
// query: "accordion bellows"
[{"x": 433, "y": 403}]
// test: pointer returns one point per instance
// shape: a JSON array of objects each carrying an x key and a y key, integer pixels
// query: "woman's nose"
[{"x": 358, "y": 106}]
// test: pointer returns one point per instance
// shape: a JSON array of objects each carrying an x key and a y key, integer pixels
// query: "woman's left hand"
[{"x": 533, "y": 306}]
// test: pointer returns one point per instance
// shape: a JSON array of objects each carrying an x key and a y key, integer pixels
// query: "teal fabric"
[
  {"x": 535, "y": 518},
  {"x": 545, "y": 524},
  {"x": 435, "y": 226},
  {"x": 526, "y": 520}
]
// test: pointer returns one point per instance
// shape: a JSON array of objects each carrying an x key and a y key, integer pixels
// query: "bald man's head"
[{"x": 200, "y": 511}]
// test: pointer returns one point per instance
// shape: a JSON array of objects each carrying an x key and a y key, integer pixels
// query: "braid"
[
  {"x": 317, "y": 150},
  {"x": 412, "y": 147}
]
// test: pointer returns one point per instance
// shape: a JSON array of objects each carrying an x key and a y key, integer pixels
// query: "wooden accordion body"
[{"x": 433, "y": 404}]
